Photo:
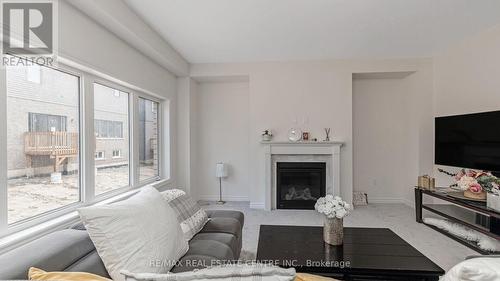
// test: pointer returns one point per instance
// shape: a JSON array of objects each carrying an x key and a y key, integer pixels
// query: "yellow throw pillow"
[
  {"x": 311, "y": 277},
  {"x": 38, "y": 274}
]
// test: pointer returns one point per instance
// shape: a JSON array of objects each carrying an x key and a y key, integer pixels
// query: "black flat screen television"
[{"x": 469, "y": 141}]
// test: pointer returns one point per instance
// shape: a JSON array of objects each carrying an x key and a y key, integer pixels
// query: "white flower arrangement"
[{"x": 332, "y": 207}]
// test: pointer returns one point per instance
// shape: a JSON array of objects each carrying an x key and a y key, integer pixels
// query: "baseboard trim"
[
  {"x": 225, "y": 198},
  {"x": 389, "y": 200},
  {"x": 257, "y": 205},
  {"x": 409, "y": 203},
  {"x": 385, "y": 200}
]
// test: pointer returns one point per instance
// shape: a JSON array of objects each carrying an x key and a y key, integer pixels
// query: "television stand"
[{"x": 472, "y": 214}]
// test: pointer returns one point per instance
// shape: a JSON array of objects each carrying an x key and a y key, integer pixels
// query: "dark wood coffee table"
[{"x": 367, "y": 254}]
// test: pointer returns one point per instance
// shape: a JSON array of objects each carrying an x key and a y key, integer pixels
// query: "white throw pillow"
[
  {"x": 140, "y": 234},
  {"x": 240, "y": 272},
  {"x": 476, "y": 269}
]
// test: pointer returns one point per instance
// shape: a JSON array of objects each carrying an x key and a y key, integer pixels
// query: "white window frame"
[
  {"x": 5, "y": 228},
  {"x": 160, "y": 141},
  {"x": 87, "y": 77},
  {"x": 131, "y": 132}
]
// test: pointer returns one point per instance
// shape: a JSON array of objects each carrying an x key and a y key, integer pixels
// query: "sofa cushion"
[
  {"x": 224, "y": 238},
  {"x": 227, "y": 214},
  {"x": 90, "y": 263},
  {"x": 204, "y": 253},
  {"x": 212, "y": 248},
  {"x": 53, "y": 252},
  {"x": 223, "y": 225}
]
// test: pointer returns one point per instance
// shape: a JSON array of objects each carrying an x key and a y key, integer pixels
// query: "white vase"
[{"x": 493, "y": 201}]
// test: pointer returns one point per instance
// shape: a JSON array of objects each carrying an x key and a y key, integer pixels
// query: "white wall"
[
  {"x": 284, "y": 92},
  {"x": 126, "y": 24},
  {"x": 83, "y": 41},
  {"x": 466, "y": 76},
  {"x": 462, "y": 80},
  {"x": 467, "y": 79},
  {"x": 183, "y": 132},
  {"x": 222, "y": 136},
  {"x": 382, "y": 140},
  {"x": 317, "y": 91},
  {"x": 392, "y": 135}
]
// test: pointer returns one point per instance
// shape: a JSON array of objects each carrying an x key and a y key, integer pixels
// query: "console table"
[{"x": 474, "y": 215}]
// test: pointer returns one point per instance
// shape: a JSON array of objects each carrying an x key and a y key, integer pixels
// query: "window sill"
[{"x": 27, "y": 235}]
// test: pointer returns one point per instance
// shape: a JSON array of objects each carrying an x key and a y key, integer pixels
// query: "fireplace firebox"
[{"x": 299, "y": 184}]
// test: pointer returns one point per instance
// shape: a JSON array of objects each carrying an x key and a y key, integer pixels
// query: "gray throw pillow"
[{"x": 190, "y": 215}]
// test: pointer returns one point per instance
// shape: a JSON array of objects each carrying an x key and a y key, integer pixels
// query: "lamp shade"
[{"x": 221, "y": 170}]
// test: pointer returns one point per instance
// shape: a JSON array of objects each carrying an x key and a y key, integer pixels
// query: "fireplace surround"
[{"x": 282, "y": 151}]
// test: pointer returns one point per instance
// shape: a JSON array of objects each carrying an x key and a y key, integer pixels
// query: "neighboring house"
[
  {"x": 39, "y": 101},
  {"x": 111, "y": 127},
  {"x": 44, "y": 109}
]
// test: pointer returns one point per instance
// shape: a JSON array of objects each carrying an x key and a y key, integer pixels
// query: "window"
[
  {"x": 43, "y": 134},
  {"x": 108, "y": 129},
  {"x": 99, "y": 155},
  {"x": 38, "y": 122},
  {"x": 42, "y": 141},
  {"x": 111, "y": 115},
  {"x": 148, "y": 139},
  {"x": 117, "y": 153}
]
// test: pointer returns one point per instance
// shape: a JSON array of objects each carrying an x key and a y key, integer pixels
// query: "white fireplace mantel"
[{"x": 331, "y": 148}]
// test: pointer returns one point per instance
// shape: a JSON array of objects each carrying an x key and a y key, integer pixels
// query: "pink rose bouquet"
[{"x": 475, "y": 181}]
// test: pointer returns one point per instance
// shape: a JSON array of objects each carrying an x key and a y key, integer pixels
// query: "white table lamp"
[{"x": 220, "y": 172}]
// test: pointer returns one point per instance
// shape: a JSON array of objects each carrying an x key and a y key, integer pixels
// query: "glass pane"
[
  {"x": 42, "y": 142},
  {"x": 110, "y": 108},
  {"x": 118, "y": 129},
  {"x": 148, "y": 139}
]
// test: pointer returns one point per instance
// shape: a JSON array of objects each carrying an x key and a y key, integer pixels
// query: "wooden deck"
[{"x": 57, "y": 145}]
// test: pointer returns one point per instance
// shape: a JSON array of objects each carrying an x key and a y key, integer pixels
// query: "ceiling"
[{"x": 276, "y": 30}]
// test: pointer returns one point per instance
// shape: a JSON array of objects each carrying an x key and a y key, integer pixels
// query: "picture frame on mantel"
[{"x": 305, "y": 136}]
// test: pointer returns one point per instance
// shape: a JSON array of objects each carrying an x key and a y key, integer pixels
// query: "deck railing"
[{"x": 51, "y": 143}]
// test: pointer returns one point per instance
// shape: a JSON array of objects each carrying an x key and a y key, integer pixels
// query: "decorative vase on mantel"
[
  {"x": 333, "y": 231},
  {"x": 267, "y": 135},
  {"x": 334, "y": 209}
]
